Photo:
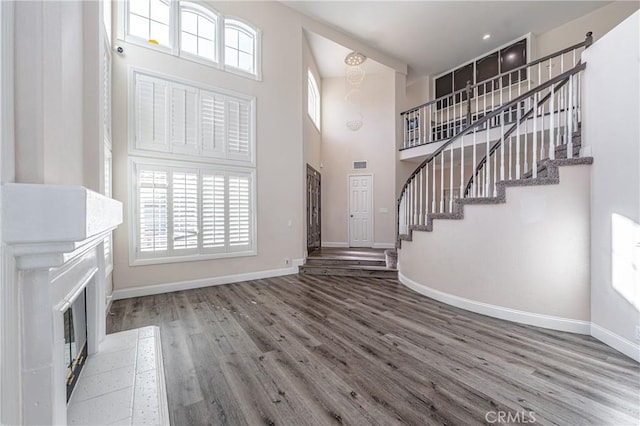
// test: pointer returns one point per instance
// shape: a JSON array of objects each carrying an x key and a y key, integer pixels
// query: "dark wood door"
[{"x": 313, "y": 209}]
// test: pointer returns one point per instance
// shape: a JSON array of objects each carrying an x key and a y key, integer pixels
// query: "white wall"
[
  {"x": 600, "y": 21},
  {"x": 530, "y": 254},
  {"x": 278, "y": 145},
  {"x": 374, "y": 142},
  {"x": 610, "y": 130}
]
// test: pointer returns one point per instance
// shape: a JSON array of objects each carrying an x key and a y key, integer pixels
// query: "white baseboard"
[
  {"x": 149, "y": 290},
  {"x": 630, "y": 349},
  {"x": 384, "y": 245},
  {"x": 329, "y": 244},
  {"x": 529, "y": 318}
]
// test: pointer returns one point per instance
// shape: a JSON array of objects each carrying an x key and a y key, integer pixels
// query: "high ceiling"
[{"x": 434, "y": 36}]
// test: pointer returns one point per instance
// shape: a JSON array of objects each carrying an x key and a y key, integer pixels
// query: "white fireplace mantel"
[
  {"x": 56, "y": 234},
  {"x": 47, "y": 225}
]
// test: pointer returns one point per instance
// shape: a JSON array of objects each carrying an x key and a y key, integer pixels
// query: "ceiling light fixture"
[
  {"x": 354, "y": 59},
  {"x": 486, "y": 36}
]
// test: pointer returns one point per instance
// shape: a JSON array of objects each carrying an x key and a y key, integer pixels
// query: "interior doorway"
[
  {"x": 360, "y": 211},
  {"x": 314, "y": 210}
]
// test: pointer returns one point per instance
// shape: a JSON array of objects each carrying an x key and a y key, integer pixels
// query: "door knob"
[{"x": 351, "y": 215}]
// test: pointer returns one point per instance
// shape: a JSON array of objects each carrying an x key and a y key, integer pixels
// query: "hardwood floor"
[{"x": 315, "y": 350}]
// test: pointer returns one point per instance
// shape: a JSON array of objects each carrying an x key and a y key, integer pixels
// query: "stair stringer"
[{"x": 532, "y": 268}]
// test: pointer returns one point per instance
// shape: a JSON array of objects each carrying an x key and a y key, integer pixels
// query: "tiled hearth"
[{"x": 123, "y": 383}]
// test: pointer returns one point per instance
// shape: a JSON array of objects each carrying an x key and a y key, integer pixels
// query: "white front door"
[{"x": 360, "y": 211}]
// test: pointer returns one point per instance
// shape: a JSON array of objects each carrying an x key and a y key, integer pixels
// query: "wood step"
[
  {"x": 320, "y": 261},
  {"x": 349, "y": 270}
]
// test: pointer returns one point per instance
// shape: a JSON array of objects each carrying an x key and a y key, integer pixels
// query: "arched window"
[
  {"x": 240, "y": 46},
  {"x": 198, "y": 31},
  {"x": 149, "y": 21}
]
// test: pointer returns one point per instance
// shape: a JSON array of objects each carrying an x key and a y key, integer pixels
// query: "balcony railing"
[{"x": 444, "y": 117}]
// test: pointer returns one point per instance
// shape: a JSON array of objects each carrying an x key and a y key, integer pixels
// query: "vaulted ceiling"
[{"x": 434, "y": 36}]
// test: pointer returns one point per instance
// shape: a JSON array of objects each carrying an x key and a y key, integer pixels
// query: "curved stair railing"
[{"x": 544, "y": 120}]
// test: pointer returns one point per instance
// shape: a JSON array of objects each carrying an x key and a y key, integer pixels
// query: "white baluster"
[
  {"x": 518, "y": 118},
  {"x": 552, "y": 129},
  {"x": 451, "y": 178},
  {"x": 433, "y": 189},
  {"x": 461, "y": 193},
  {"x": 570, "y": 117},
  {"x": 420, "y": 216},
  {"x": 495, "y": 177},
  {"x": 473, "y": 165},
  {"x": 487, "y": 162},
  {"x": 426, "y": 194},
  {"x": 534, "y": 159},
  {"x": 502, "y": 145},
  {"x": 442, "y": 182}
]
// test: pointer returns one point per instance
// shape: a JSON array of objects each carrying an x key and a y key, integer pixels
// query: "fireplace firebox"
[{"x": 75, "y": 340}]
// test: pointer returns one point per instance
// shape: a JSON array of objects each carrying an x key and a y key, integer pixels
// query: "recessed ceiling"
[{"x": 434, "y": 36}]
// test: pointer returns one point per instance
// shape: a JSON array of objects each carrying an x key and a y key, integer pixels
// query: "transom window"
[
  {"x": 240, "y": 42},
  {"x": 149, "y": 20},
  {"x": 198, "y": 31},
  {"x": 194, "y": 32},
  {"x": 313, "y": 99}
]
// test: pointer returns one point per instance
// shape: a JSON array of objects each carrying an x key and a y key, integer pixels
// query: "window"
[
  {"x": 497, "y": 62},
  {"x": 198, "y": 28},
  {"x": 240, "y": 45},
  {"x": 190, "y": 213},
  {"x": 192, "y": 171},
  {"x": 313, "y": 99},
  {"x": 189, "y": 120},
  {"x": 149, "y": 20},
  {"x": 192, "y": 31}
]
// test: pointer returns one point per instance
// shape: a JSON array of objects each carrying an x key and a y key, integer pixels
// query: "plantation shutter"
[
  {"x": 212, "y": 124},
  {"x": 184, "y": 119},
  {"x": 185, "y": 210},
  {"x": 153, "y": 186},
  {"x": 238, "y": 136},
  {"x": 239, "y": 215},
  {"x": 151, "y": 101},
  {"x": 213, "y": 211}
]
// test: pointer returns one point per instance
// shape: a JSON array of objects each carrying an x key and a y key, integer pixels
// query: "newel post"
[{"x": 588, "y": 39}]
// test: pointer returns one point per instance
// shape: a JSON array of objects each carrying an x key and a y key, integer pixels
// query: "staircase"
[{"x": 352, "y": 262}]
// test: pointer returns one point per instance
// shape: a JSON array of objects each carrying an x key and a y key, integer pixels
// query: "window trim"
[
  {"x": 174, "y": 47},
  {"x": 136, "y": 260},
  {"x": 312, "y": 88}
]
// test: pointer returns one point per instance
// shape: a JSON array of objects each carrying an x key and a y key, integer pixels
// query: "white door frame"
[{"x": 371, "y": 226}]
